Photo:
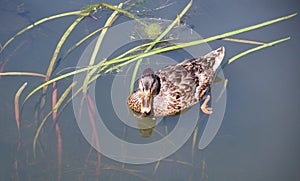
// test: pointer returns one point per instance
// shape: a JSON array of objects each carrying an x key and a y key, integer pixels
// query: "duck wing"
[
  {"x": 184, "y": 84},
  {"x": 177, "y": 88}
]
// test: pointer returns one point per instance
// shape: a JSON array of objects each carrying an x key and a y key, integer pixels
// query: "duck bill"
[{"x": 146, "y": 103}]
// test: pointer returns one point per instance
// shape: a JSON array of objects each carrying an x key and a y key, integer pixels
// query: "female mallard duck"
[{"x": 174, "y": 88}]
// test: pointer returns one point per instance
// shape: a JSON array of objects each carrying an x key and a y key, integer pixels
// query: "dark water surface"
[{"x": 259, "y": 136}]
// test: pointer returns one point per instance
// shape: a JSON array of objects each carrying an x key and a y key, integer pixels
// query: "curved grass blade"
[
  {"x": 59, "y": 78},
  {"x": 22, "y": 74},
  {"x": 133, "y": 58},
  {"x": 108, "y": 23},
  {"x": 84, "y": 12},
  {"x": 55, "y": 55},
  {"x": 194, "y": 141},
  {"x": 17, "y": 112},
  {"x": 126, "y": 13},
  {"x": 137, "y": 48},
  {"x": 140, "y": 47},
  {"x": 197, "y": 42},
  {"x": 256, "y": 48},
  {"x": 77, "y": 92},
  {"x": 94, "y": 7},
  {"x": 122, "y": 58},
  {"x": 63, "y": 97},
  {"x": 163, "y": 34},
  {"x": 243, "y": 41},
  {"x": 80, "y": 42},
  {"x": 208, "y": 136},
  {"x": 36, "y": 24},
  {"x": 60, "y": 43}
]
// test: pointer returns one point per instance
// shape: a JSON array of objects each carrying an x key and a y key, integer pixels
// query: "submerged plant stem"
[{"x": 54, "y": 109}]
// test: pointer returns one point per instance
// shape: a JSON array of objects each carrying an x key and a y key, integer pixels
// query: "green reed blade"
[
  {"x": 59, "y": 78},
  {"x": 60, "y": 44},
  {"x": 126, "y": 13},
  {"x": 133, "y": 58},
  {"x": 81, "y": 41},
  {"x": 38, "y": 23},
  {"x": 63, "y": 96},
  {"x": 108, "y": 23},
  {"x": 163, "y": 34},
  {"x": 22, "y": 74},
  {"x": 55, "y": 55},
  {"x": 256, "y": 48},
  {"x": 197, "y": 42}
]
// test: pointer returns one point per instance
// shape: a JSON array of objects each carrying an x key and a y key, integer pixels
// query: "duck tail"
[{"x": 219, "y": 55}]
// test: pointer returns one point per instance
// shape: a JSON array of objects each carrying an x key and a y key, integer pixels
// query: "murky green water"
[{"x": 258, "y": 138}]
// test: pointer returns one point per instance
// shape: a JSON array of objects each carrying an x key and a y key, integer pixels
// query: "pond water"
[{"x": 259, "y": 135}]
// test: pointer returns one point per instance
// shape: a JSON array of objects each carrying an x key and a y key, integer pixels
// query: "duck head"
[{"x": 148, "y": 86}]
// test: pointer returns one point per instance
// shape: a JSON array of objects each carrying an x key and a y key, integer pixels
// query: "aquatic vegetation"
[
  {"x": 153, "y": 30},
  {"x": 95, "y": 69}
]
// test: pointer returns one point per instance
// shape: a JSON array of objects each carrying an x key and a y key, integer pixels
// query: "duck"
[{"x": 175, "y": 88}]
